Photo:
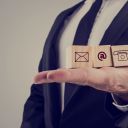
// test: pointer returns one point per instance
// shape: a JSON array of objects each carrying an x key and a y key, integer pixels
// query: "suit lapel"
[
  {"x": 50, "y": 61},
  {"x": 51, "y": 44},
  {"x": 111, "y": 36},
  {"x": 116, "y": 28}
]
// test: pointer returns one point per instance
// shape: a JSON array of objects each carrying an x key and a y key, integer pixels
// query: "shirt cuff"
[{"x": 123, "y": 108}]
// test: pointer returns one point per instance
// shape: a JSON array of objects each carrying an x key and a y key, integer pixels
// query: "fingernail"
[{"x": 39, "y": 79}]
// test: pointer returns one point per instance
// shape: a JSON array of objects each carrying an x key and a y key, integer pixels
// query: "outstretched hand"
[{"x": 107, "y": 79}]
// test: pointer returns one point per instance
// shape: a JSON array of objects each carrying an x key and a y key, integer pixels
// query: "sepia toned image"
[{"x": 64, "y": 64}]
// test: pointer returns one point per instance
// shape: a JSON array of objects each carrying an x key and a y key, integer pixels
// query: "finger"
[
  {"x": 48, "y": 76},
  {"x": 41, "y": 78},
  {"x": 79, "y": 76}
]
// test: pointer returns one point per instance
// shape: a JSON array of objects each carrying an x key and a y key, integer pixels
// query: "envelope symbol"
[{"x": 81, "y": 57}]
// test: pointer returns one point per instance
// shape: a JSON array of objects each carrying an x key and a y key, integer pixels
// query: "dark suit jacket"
[{"x": 85, "y": 107}]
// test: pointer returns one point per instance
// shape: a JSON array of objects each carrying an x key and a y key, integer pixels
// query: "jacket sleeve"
[
  {"x": 33, "y": 109},
  {"x": 120, "y": 117}
]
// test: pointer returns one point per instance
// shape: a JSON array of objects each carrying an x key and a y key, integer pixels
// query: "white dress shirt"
[{"x": 105, "y": 16}]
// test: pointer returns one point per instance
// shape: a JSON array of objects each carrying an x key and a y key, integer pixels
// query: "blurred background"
[{"x": 24, "y": 25}]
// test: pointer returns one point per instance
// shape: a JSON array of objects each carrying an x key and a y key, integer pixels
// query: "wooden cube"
[
  {"x": 79, "y": 56},
  {"x": 120, "y": 55},
  {"x": 102, "y": 56}
]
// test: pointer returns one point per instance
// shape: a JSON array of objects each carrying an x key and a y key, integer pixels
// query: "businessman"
[{"x": 81, "y": 98}]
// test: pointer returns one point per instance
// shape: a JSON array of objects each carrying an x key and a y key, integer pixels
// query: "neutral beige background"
[{"x": 24, "y": 25}]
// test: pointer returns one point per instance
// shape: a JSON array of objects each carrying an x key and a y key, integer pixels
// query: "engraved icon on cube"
[
  {"x": 120, "y": 55},
  {"x": 79, "y": 56},
  {"x": 102, "y": 56}
]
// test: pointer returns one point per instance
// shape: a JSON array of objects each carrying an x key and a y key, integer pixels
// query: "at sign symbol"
[{"x": 102, "y": 56}]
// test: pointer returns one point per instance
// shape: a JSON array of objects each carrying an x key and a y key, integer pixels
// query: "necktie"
[
  {"x": 86, "y": 24},
  {"x": 81, "y": 38}
]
